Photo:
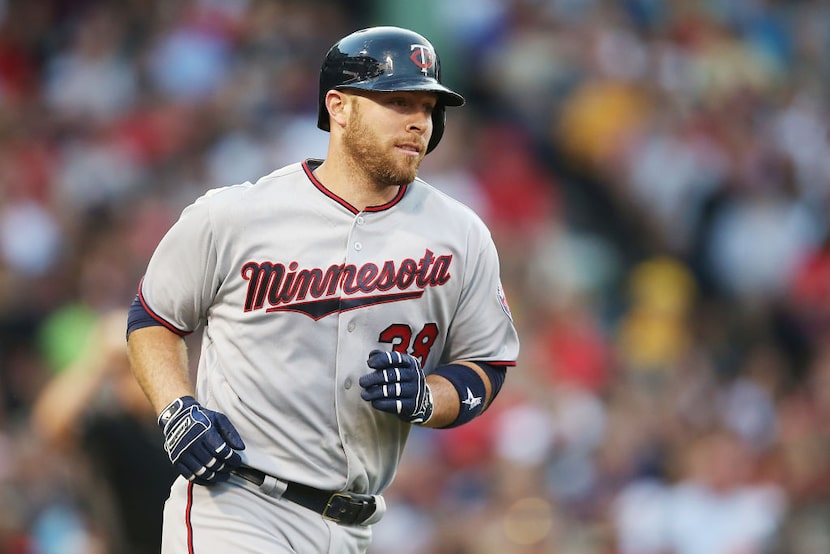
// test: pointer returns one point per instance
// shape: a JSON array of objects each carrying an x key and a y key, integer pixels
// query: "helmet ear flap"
[
  {"x": 439, "y": 121},
  {"x": 323, "y": 113}
]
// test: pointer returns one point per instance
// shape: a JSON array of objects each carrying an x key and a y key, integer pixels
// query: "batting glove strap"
[
  {"x": 200, "y": 443},
  {"x": 470, "y": 388},
  {"x": 424, "y": 410},
  {"x": 398, "y": 386},
  {"x": 173, "y": 410}
]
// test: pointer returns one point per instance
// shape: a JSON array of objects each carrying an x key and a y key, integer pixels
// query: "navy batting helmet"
[{"x": 386, "y": 59}]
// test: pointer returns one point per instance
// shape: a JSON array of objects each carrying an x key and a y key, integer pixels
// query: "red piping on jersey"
[
  {"x": 157, "y": 317},
  {"x": 309, "y": 173},
  {"x": 187, "y": 521}
]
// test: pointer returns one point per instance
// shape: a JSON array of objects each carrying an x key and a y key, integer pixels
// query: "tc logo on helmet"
[{"x": 422, "y": 56}]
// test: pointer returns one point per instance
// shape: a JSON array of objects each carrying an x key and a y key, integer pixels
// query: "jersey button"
[
  {"x": 347, "y": 384},
  {"x": 350, "y": 327},
  {"x": 360, "y": 220},
  {"x": 358, "y": 246}
]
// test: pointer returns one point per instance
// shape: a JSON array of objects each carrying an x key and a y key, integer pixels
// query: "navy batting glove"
[
  {"x": 398, "y": 386},
  {"x": 201, "y": 444}
]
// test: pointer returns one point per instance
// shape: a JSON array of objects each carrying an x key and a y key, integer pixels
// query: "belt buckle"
[{"x": 348, "y": 508}]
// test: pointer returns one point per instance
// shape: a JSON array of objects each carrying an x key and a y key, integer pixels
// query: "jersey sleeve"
[
  {"x": 483, "y": 329},
  {"x": 181, "y": 277}
]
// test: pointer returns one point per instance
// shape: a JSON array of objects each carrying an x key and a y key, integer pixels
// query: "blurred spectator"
[
  {"x": 786, "y": 227},
  {"x": 804, "y": 459},
  {"x": 809, "y": 291},
  {"x": 715, "y": 507},
  {"x": 91, "y": 81},
  {"x": 93, "y": 413},
  {"x": 191, "y": 59},
  {"x": 30, "y": 238},
  {"x": 653, "y": 336}
]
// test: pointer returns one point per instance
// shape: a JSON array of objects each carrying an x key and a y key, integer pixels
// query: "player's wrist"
[
  {"x": 424, "y": 413},
  {"x": 174, "y": 408}
]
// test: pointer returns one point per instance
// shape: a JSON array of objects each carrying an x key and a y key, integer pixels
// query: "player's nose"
[{"x": 420, "y": 125}]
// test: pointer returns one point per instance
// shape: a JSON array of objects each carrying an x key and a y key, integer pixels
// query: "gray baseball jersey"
[{"x": 294, "y": 287}]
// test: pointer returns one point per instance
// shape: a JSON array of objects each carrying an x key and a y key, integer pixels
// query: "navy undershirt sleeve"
[{"x": 138, "y": 317}]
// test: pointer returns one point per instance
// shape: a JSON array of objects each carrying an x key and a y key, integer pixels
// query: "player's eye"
[{"x": 405, "y": 103}]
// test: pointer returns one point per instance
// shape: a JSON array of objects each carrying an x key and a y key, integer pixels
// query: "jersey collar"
[{"x": 311, "y": 164}]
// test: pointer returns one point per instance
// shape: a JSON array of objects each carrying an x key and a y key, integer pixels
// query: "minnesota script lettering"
[{"x": 277, "y": 287}]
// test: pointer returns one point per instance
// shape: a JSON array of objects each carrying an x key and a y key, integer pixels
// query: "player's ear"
[{"x": 337, "y": 106}]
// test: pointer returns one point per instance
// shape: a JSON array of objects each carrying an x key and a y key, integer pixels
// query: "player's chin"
[
  {"x": 403, "y": 170},
  {"x": 407, "y": 175}
]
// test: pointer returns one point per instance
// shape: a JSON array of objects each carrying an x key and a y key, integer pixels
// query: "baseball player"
[{"x": 340, "y": 302}]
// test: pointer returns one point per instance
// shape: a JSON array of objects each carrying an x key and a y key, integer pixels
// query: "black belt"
[{"x": 343, "y": 507}]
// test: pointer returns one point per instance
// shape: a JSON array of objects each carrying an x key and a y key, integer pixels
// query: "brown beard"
[{"x": 371, "y": 157}]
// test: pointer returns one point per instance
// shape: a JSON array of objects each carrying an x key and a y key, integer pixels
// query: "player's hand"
[
  {"x": 201, "y": 444},
  {"x": 397, "y": 386}
]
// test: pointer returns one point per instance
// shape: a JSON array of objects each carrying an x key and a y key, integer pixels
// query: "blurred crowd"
[{"x": 656, "y": 176}]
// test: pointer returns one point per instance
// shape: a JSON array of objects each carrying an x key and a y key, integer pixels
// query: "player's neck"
[{"x": 353, "y": 185}]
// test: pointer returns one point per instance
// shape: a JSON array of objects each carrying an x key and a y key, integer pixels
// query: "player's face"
[{"x": 388, "y": 132}]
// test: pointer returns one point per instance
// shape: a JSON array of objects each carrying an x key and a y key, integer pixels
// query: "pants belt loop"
[
  {"x": 380, "y": 509},
  {"x": 273, "y": 486}
]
